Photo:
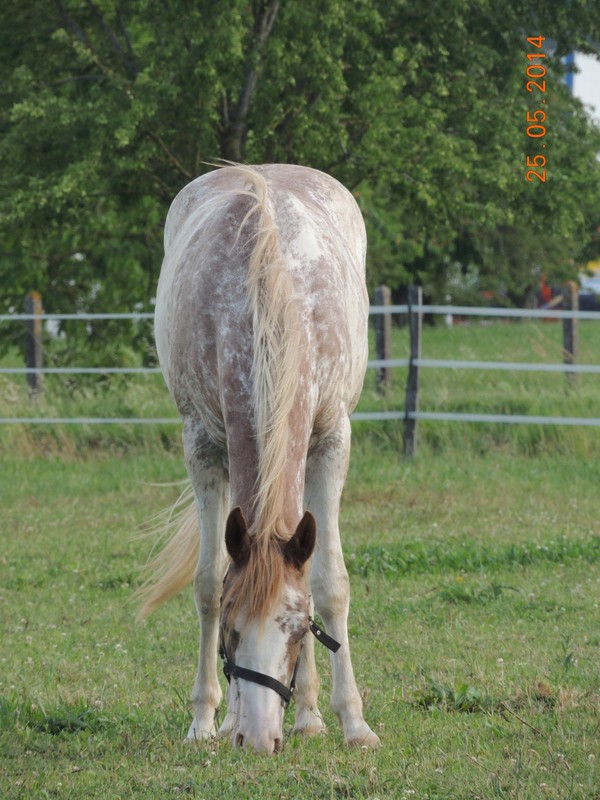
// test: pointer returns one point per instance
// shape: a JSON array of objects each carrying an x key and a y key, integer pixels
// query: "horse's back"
[{"x": 203, "y": 323}]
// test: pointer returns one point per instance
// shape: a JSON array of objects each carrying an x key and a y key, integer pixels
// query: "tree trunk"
[{"x": 234, "y": 116}]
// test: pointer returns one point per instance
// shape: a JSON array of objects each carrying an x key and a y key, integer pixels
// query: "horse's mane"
[{"x": 276, "y": 366}]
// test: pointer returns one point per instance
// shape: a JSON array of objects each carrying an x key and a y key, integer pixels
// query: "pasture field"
[
  {"x": 456, "y": 390},
  {"x": 475, "y": 627}
]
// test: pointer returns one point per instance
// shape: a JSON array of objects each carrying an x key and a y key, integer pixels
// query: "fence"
[{"x": 383, "y": 310}]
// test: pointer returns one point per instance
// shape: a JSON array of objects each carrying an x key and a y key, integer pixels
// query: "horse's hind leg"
[
  {"x": 325, "y": 476},
  {"x": 207, "y": 473}
]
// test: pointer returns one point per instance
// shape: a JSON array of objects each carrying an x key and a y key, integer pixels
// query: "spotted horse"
[{"x": 261, "y": 331}]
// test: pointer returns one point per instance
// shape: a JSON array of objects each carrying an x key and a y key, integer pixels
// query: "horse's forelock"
[{"x": 253, "y": 588}]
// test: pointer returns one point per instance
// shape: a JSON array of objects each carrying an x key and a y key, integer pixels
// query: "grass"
[
  {"x": 475, "y": 577},
  {"x": 475, "y": 585}
]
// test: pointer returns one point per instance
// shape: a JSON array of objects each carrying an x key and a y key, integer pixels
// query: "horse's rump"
[{"x": 262, "y": 292}]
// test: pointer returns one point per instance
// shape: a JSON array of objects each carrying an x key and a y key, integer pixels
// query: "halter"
[{"x": 231, "y": 670}]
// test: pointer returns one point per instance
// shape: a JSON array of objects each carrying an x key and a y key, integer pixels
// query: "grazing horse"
[{"x": 261, "y": 331}]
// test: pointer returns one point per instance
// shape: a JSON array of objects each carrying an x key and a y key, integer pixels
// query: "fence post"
[
  {"x": 571, "y": 332},
  {"x": 383, "y": 340},
  {"x": 415, "y": 326},
  {"x": 34, "y": 352}
]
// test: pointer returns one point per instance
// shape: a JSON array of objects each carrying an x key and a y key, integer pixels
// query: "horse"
[{"x": 261, "y": 332}]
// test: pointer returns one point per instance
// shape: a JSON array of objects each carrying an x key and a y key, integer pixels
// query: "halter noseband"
[{"x": 231, "y": 670}]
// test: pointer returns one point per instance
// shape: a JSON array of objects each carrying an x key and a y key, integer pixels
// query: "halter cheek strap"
[{"x": 231, "y": 670}]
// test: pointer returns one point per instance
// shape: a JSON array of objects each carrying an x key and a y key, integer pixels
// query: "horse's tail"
[
  {"x": 277, "y": 355},
  {"x": 276, "y": 368},
  {"x": 173, "y": 567}
]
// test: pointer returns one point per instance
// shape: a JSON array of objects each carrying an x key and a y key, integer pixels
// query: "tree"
[
  {"x": 460, "y": 198},
  {"x": 110, "y": 108}
]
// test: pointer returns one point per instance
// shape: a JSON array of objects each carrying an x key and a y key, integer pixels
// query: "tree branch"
[
  {"x": 71, "y": 24},
  {"x": 170, "y": 155},
  {"x": 235, "y": 123},
  {"x": 80, "y": 34},
  {"x": 125, "y": 34},
  {"x": 129, "y": 63}
]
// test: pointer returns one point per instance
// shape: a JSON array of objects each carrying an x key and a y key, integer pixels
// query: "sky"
[
  {"x": 586, "y": 86},
  {"x": 586, "y": 83}
]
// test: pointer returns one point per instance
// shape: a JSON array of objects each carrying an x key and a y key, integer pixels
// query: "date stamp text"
[{"x": 536, "y": 130}]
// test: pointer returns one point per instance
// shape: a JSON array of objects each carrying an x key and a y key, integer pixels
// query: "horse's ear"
[
  {"x": 237, "y": 538},
  {"x": 300, "y": 547}
]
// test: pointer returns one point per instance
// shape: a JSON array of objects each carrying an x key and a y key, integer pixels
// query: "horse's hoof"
[
  {"x": 227, "y": 726},
  {"x": 196, "y": 735},
  {"x": 308, "y": 723},
  {"x": 368, "y": 741},
  {"x": 309, "y": 731}
]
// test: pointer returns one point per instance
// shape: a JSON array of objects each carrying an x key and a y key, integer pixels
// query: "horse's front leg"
[
  {"x": 205, "y": 468},
  {"x": 309, "y": 721},
  {"x": 326, "y": 474}
]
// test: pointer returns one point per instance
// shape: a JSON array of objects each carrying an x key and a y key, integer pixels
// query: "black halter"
[{"x": 231, "y": 670}]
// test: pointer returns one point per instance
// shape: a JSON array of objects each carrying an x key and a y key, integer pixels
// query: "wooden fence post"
[
  {"x": 571, "y": 332},
  {"x": 383, "y": 340},
  {"x": 415, "y": 326},
  {"x": 34, "y": 352}
]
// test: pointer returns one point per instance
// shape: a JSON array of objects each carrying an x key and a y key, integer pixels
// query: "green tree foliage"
[{"x": 109, "y": 108}]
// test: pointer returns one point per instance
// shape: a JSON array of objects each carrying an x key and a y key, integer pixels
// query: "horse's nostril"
[
  {"x": 239, "y": 740},
  {"x": 278, "y": 746}
]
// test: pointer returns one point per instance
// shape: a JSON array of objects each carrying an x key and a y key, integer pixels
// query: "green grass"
[
  {"x": 475, "y": 576},
  {"x": 474, "y": 627}
]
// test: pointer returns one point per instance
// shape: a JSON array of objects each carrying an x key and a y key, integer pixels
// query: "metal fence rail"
[
  {"x": 450, "y": 416},
  {"x": 378, "y": 363},
  {"x": 79, "y": 370},
  {"x": 82, "y": 317},
  {"x": 507, "y": 366},
  {"x": 91, "y": 420},
  {"x": 457, "y": 311}
]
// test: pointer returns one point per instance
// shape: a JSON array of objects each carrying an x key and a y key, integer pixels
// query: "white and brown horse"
[{"x": 261, "y": 330}]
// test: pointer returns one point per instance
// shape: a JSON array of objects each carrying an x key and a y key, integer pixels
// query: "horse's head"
[{"x": 264, "y": 619}]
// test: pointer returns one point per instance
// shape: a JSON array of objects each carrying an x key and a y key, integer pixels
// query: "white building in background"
[{"x": 585, "y": 83}]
